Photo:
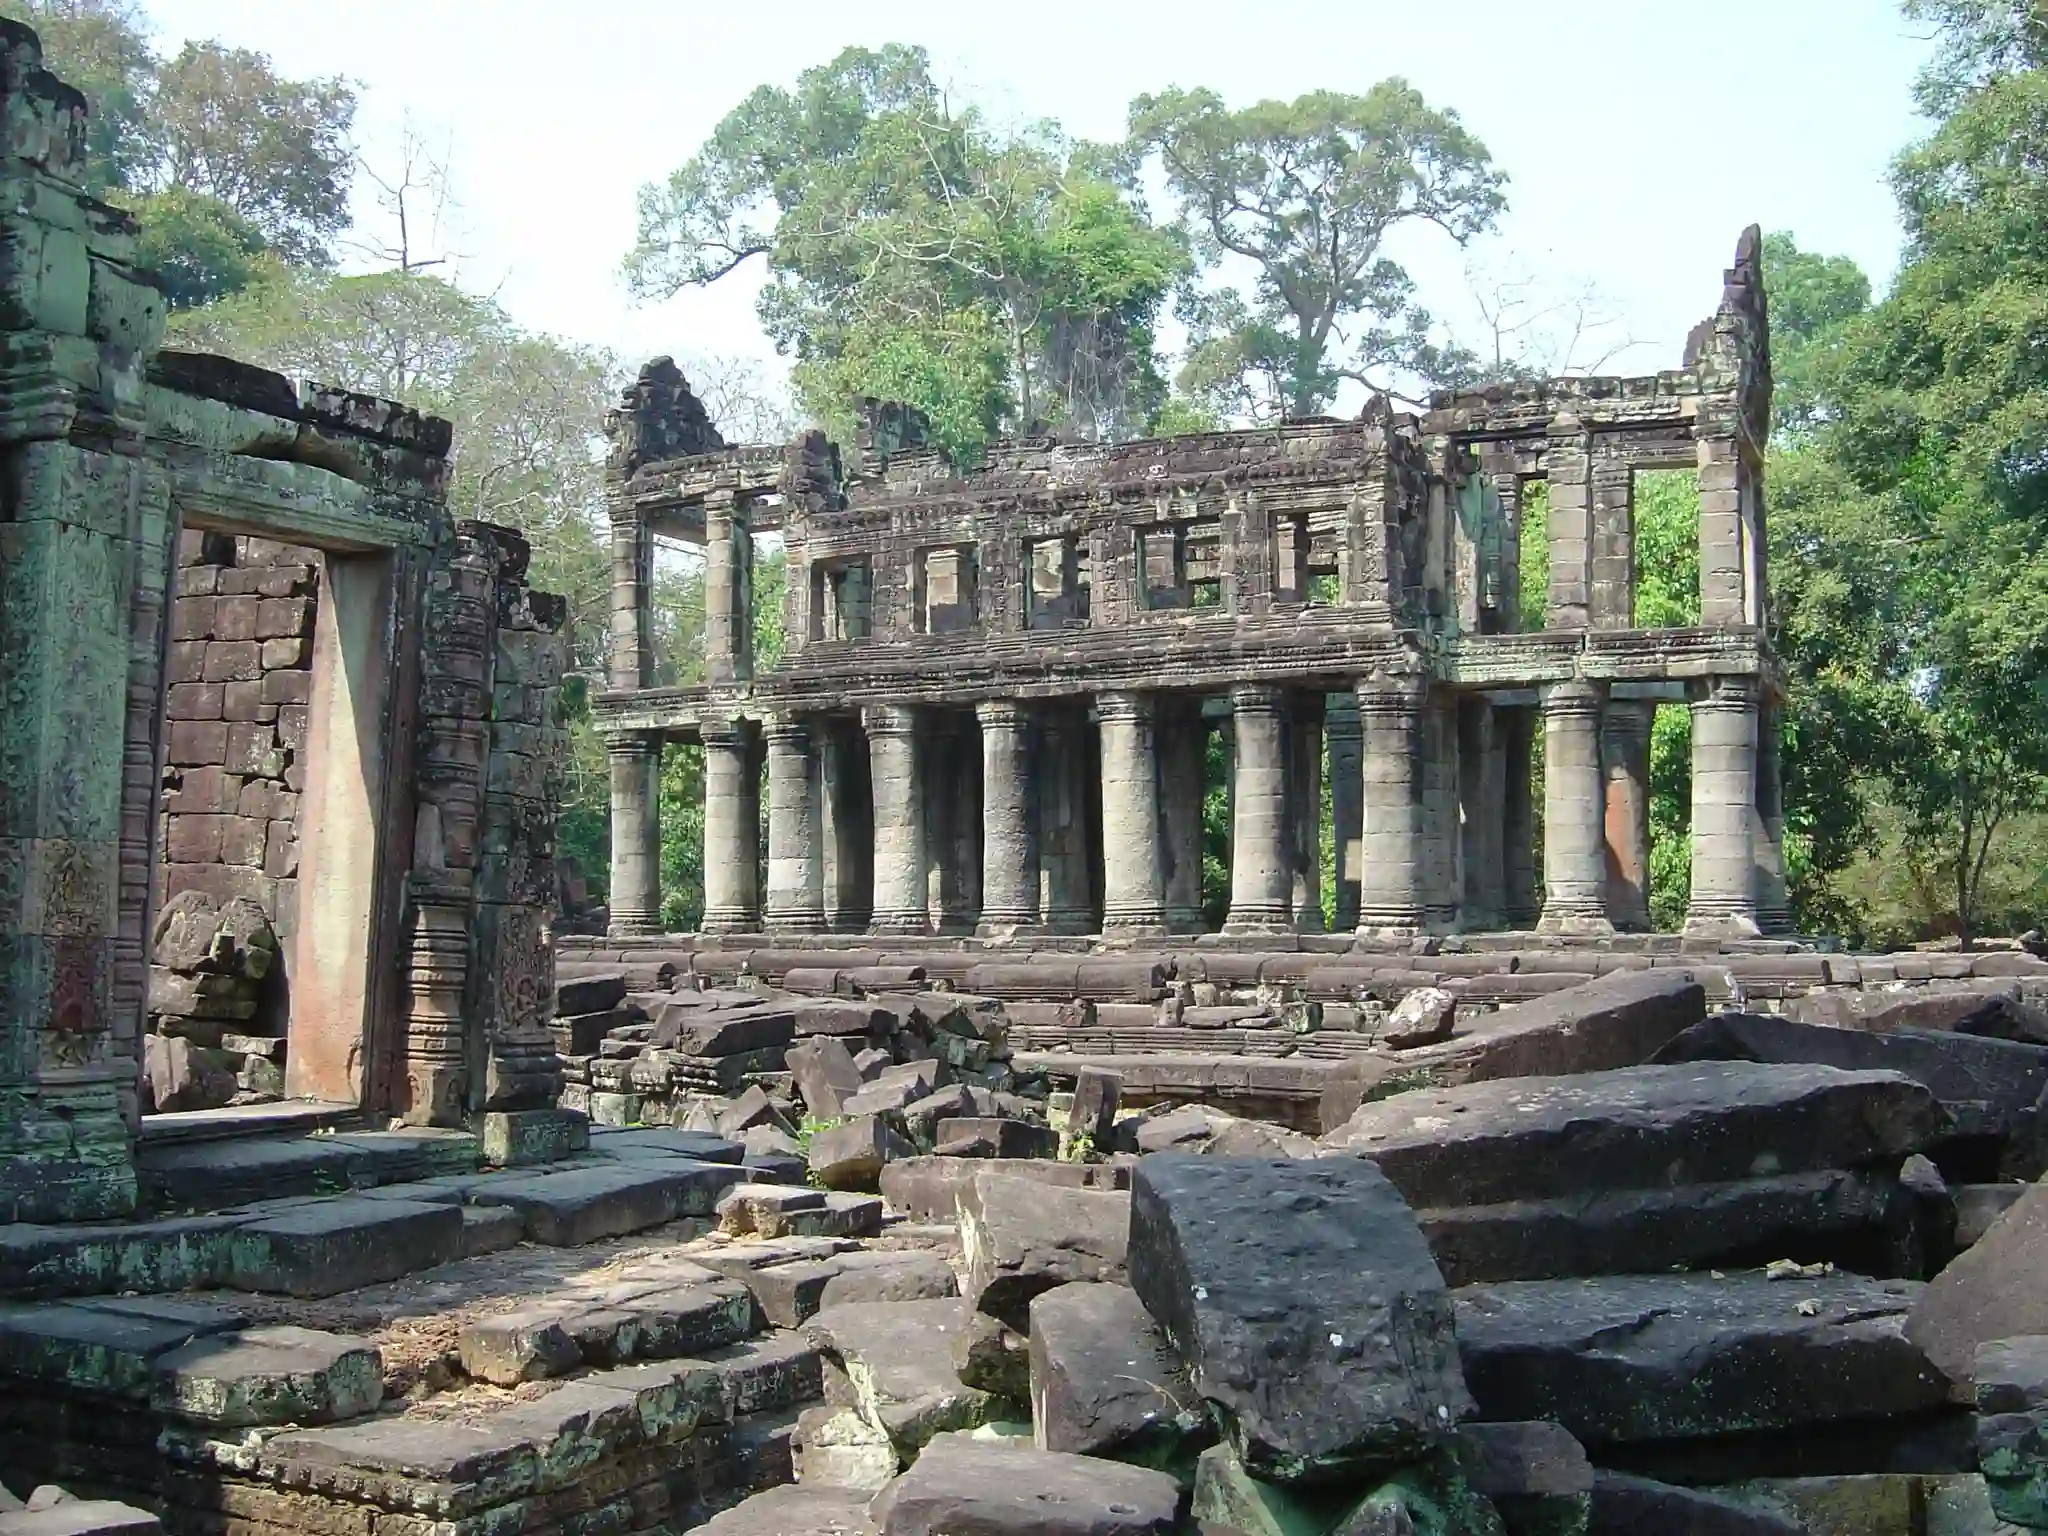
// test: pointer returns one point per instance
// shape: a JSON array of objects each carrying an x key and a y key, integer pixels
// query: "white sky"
[{"x": 1640, "y": 136}]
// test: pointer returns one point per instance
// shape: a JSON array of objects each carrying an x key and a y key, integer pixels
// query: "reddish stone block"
[
  {"x": 245, "y": 840},
  {"x": 193, "y": 839},
  {"x": 277, "y": 616},
  {"x": 289, "y": 651},
  {"x": 284, "y": 805},
  {"x": 243, "y": 702},
  {"x": 185, "y": 662},
  {"x": 198, "y": 581},
  {"x": 284, "y": 916},
  {"x": 230, "y": 661},
  {"x": 291, "y": 726},
  {"x": 193, "y": 701},
  {"x": 287, "y": 581},
  {"x": 295, "y": 775},
  {"x": 194, "y": 743},
  {"x": 234, "y": 618},
  {"x": 192, "y": 617},
  {"x": 223, "y": 882},
  {"x": 247, "y": 747},
  {"x": 258, "y": 796},
  {"x": 281, "y": 851},
  {"x": 204, "y": 791},
  {"x": 292, "y": 685}
]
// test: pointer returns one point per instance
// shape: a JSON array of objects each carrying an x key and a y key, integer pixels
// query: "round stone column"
[
  {"x": 1133, "y": 898},
  {"x": 1261, "y": 852},
  {"x": 1574, "y": 812},
  {"x": 902, "y": 901},
  {"x": 732, "y": 832},
  {"x": 1723, "y": 904},
  {"x": 1009, "y": 871},
  {"x": 635, "y": 763},
  {"x": 1390, "y": 872},
  {"x": 796, "y": 876}
]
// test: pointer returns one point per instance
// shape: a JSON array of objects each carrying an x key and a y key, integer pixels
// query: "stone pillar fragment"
[
  {"x": 1133, "y": 894},
  {"x": 1343, "y": 747},
  {"x": 1773, "y": 901},
  {"x": 1390, "y": 893},
  {"x": 1724, "y": 733},
  {"x": 635, "y": 762},
  {"x": 1625, "y": 769},
  {"x": 796, "y": 885},
  {"x": 1517, "y": 729},
  {"x": 901, "y": 904},
  {"x": 631, "y": 662},
  {"x": 1261, "y": 841},
  {"x": 732, "y": 830},
  {"x": 1574, "y": 847},
  {"x": 1481, "y": 807},
  {"x": 1182, "y": 741},
  {"x": 1009, "y": 862}
]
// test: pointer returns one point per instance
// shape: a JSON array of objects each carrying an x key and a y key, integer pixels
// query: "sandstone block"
[
  {"x": 966, "y": 1487},
  {"x": 897, "y": 1358},
  {"x": 265, "y": 1376},
  {"x": 1022, "y": 1238},
  {"x": 1103, "y": 1379},
  {"x": 331, "y": 1246}
]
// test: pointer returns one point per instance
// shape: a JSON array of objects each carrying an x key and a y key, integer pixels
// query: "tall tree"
[
  {"x": 998, "y": 282},
  {"x": 1307, "y": 193}
]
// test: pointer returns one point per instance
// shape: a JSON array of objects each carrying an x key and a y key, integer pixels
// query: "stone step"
[
  {"x": 212, "y": 1176},
  {"x": 332, "y": 1246},
  {"x": 580, "y": 1205},
  {"x": 667, "y": 1313}
]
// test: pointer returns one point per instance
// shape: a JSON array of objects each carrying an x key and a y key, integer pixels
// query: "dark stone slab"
[
  {"x": 697, "y": 1031},
  {"x": 2012, "y": 1428},
  {"x": 776, "y": 1371},
  {"x": 519, "y": 1138},
  {"x": 589, "y": 992},
  {"x": 1637, "y": 1128},
  {"x": 1992, "y": 1291},
  {"x": 1104, "y": 1381},
  {"x": 269, "y": 1376},
  {"x": 1535, "y": 1475},
  {"x": 1635, "y": 1506},
  {"x": 928, "y": 1188},
  {"x": 662, "y": 1141},
  {"x": 1642, "y": 1358},
  {"x": 100, "y": 1348},
  {"x": 897, "y": 1362},
  {"x": 1979, "y": 1205},
  {"x": 824, "y": 1074},
  {"x": 344, "y": 1244},
  {"x": 788, "y": 1294},
  {"x": 965, "y": 1487},
  {"x": 1304, "y": 1301},
  {"x": 1994, "y": 1009},
  {"x": 986, "y": 1136},
  {"x": 581, "y": 1205},
  {"x": 796, "y": 1510},
  {"x": 1021, "y": 1238}
]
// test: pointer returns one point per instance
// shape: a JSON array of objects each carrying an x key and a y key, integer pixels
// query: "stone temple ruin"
[{"x": 952, "y": 1181}]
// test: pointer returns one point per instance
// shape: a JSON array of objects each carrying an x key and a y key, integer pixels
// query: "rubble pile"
[{"x": 215, "y": 1038}]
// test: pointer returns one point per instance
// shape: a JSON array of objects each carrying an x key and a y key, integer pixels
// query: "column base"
[
  {"x": 1390, "y": 924},
  {"x": 632, "y": 928},
  {"x": 1003, "y": 927},
  {"x": 1774, "y": 923},
  {"x": 1070, "y": 921},
  {"x": 1575, "y": 923},
  {"x": 1255, "y": 920},
  {"x": 901, "y": 924},
  {"x": 1139, "y": 922},
  {"x": 1186, "y": 920},
  {"x": 1720, "y": 925},
  {"x": 729, "y": 920},
  {"x": 796, "y": 922}
]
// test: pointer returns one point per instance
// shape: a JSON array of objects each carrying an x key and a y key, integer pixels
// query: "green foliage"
[
  {"x": 999, "y": 282},
  {"x": 1813, "y": 299},
  {"x": 682, "y": 838},
  {"x": 201, "y": 248},
  {"x": 1532, "y": 557},
  {"x": 1307, "y": 191},
  {"x": 102, "y": 47}
]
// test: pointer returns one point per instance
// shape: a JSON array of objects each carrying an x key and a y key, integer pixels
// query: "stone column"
[
  {"x": 1481, "y": 793},
  {"x": 1574, "y": 848},
  {"x": 732, "y": 836},
  {"x": 636, "y": 832},
  {"x": 1625, "y": 770},
  {"x": 1009, "y": 863},
  {"x": 1133, "y": 896},
  {"x": 1517, "y": 729},
  {"x": 1724, "y": 776},
  {"x": 728, "y": 591},
  {"x": 1390, "y": 889},
  {"x": 1261, "y": 845},
  {"x": 1343, "y": 747},
  {"x": 1064, "y": 902},
  {"x": 1773, "y": 901},
  {"x": 1183, "y": 764},
  {"x": 1569, "y": 466},
  {"x": 901, "y": 902},
  {"x": 631, "y": 663},
  {"x": 1305, "y": 808},
  {"x": 796, "y": 877}
]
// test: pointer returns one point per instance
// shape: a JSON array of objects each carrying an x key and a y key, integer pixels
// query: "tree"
[
  {"x": 101, "y": 47},
  {"x": 997, "y": 282},
  {"x": 1812, "y": 300},
  {"x": 200, "y": 247},
  {"x": 1307, "y": 192}
]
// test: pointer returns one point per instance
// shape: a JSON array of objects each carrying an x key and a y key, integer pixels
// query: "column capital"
[
  {"x": 1002, "y": 714},
  {"x": 1391, "y": 696},
  {"x": 721, "y": 731},
  {"x": 1573, "y": 696},
  {"x": 888, "y": 719},
  {"x": 786, "y": 730},
  {"x": 1124, "y": 705},
  {"x": 1257, "y": 698},
  {"x": 1729, "y": 692},
  {"x": 631, "y": 744}
]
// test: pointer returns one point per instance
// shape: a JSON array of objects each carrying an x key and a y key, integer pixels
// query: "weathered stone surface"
[
  {"x": 1990, "y": 1292},
  {"x": 82, "y": 1517},
  {"x": 1636, "y": 1506},
  {"x": 824, "y": 1074},
  {"x": 928, "y": 1188},
  {"x": 897, "y": 1357},
  {"x": 694, "y": 1030},
  {"x": 762, "y": 1208},
  {"x": 992, "y": 1357},
  {"x": 339, "y": 1245},
  {"x": 1994, "y": 1009},
  {"x": 1535, "y": 1475},
  {"x": 1431, "y": 1495},
  {"x": 851, "y": 1156},
  {"x": 1092, "y": 1114},
  {"x": 983, "y": 1136},
  {"x": 1103, "y": 1379},
  {"x": 264, "y": 1376},
  {"x": 1660, "y": 1357},
  {"x": 517, "y": 1138},
  {"x": 790, "y": 1293},
  {"x": 1979, "y": 1205},
  {"x": 966, "y": 1487},
  {"x": 2012, "y": 1427},
  {"x": 490, "y": 1229},
  {"x": 800, "y": 1509},
  {"x": 582, "y": 1205},
  {"x": 1021, "y": 1237},
  {"x": 838, "y": 1448},
  {"x": 1425, "y": 1016},
  {"x": 688, "y": 1310},
  {"x": 1305, "y": 1303},
  {"x": 102, "y": 1346},
  {"x": 182, "y": 1076}
]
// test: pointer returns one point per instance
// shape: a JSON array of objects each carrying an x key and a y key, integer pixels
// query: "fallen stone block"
[
  {"x": 697, "y": 1031},
  {"x": 789, "y": 1294},
  {"x": 1104, "y": 1381},
  {"x": 331, "y": 1246},
  {"x": 1994, "y": 1009},
  {"x": 920, "y": 1118},
  {"x": 1636, "y": 1358},
  {"x": 589, "y": 991},
  {"x": 1091, "y": 1117},
  {"x": 966, "y": 1487},
  {"x": 1304, "y": 1302},
  {"x": 752, "y": 1108},
  {"x": 1979, "y": 1205},
  {"x": 825, "y": 1076},
  {"x": 928, "y": 1188},
  {"x": 897, "y": 1358},
  {"x": 1423, "y": 1017},
  {"x": 1021, "y": 1237},
  {"x": 490, "y": 1229},
  {"x": 838, "y": 1448},
  {"x": 809, "y": 1508},
  {"x": 851, "y": 1156},
  {"x": 776, "y": 1167},
  {"x": 1635, "y": 1506},
  {"x": 521, "y": 1137},
  {"x": 746, "y": 1208},
  {"x": 1992, "y": 1291},
  {"x": 266, "y": 1376},
  {"x": 1431, "y": 1495},
  {"x": 2012, "y": 1428},
  {"x": 82, "y": 1517},
  {"x": 981, "y": 1136},
  {"x": 582, "y": 1205},
  {"x": 1536, "y": 1476}
]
